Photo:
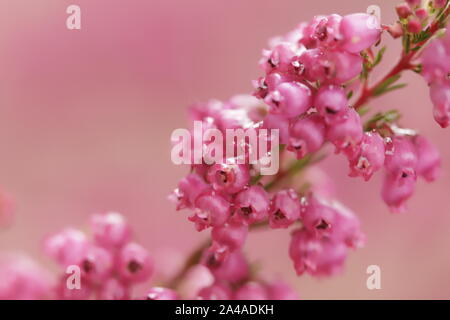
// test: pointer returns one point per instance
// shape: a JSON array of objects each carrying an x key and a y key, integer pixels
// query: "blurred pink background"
[{"x": 86, "y": 117}]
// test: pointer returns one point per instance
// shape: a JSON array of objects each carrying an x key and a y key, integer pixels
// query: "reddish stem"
[
  {"x": 367, "y": 93},
  {"x": 405, "y": 63}
]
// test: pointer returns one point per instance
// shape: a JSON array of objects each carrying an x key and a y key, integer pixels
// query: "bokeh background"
[{"x": 86, "y": 117}]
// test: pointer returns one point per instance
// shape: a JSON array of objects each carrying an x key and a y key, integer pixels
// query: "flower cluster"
[
  {"x": 310, "y": 75},
  {"x": 324, "y": 111},
  {"x": 407, "y": 157},
  {"x": 418, "y": 20},
  {"x": 306, "y": 93},
  {"x": 110, "y": 267},
  {"x": 325, "y": 50},
  {"x": 304, "y": 87},
  {"x": 224, "y": 198},
  {"x": 110, "y": 263},
  {"x": 416, "y": 13}
]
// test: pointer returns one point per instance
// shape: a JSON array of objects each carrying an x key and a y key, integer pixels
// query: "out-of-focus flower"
[
  {"x": 110, "y": 264},
  {"x": 23, "y": 279},
  {"x": 307, "y": 135}
]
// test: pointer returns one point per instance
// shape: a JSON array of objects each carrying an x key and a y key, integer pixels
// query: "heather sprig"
[
  {"x": 315, "y": 90},
  {"x": 110, "y": 263}
]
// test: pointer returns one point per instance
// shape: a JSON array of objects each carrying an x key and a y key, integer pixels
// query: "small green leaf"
[
  {"x": 363, "y": 110},
  {"x": 396, "y": 87},
  {"x": 379, "y": 119},
  {"x": 421, "y": 36},
  {"x": 350, "y": 95},
  {"x": 381, "y": 88},
  {"x": 379, "y": 56}
]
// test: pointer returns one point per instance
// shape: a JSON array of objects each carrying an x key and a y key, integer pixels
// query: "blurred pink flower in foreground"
[{"x": 23, "y": 279}]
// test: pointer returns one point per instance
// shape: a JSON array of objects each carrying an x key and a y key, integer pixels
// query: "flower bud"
[
  {"x": 230, "y": 178},
  {"x": 134, "y": 263},
  {"x": 66, "y": 247},
  {"x": 96, "y": 264},
  {"x": 331, "y": 102},
  {"x": 359, "y": 31},
  {"x": 189, "y": 189},
  {"x": 421, "y": 13},
  {"x": 344, "y": 66},
  {"x": 332, "y": 220},
  {"x": 401, "y": 158},
  {"x": 231, "y": 235},
  {"x": 252, "y": 204},
  {"x": 212, "y": 210},
  {"x": 395, "y": 192},
  {"x": 316, "y": 256},
  {"x": 403, "y": 10},
  {"x": 307, "y": 135},
  {"x": 233, "y": 269},
  {"x": 284, "y": 209},
  {"x": 314, "y": 65},
  {"x": 290, "y": 99},
  {"x": 414, "y": 25},
  {"x": 110, "y": 230},
  {"x": 370, "y": 156},
  {"x": 279, "y": 58},
  {"x": 346, "y": 132}
]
